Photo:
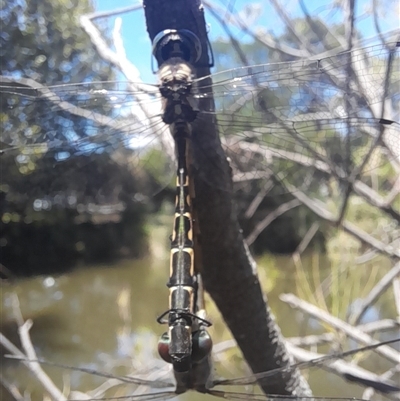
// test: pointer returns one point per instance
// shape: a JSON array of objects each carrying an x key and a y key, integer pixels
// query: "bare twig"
[
  {"x": 340, "y": 325},
  {"x": 146, "y": 107},
  {"x": 306, "y": 240},
  {"x": 117, "y": 11},
  {"x": 34, "y": 367},
  {"x": 132, "y": 74},
  {"x": 396, "y": 292},
  {"x": 364, "y": 237},
  {"x": 339, "y": 367},
  {"x": 311, "y": 340},
  {"x": 255, "y": 203},
  {"x": 375, "y": 293},
  {"x": 372, "y": 327},
  {"x": 379, "y": 325},
  {"x": 320, "y": 164},
  {"x": 266, "y": 40},
  {"x": 267, "y": 220},
  {"x": 304, "y": 45},
  {"x": 11, "y": 388}
]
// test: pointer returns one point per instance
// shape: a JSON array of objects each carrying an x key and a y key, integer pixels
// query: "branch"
[
  {"x": 255, "y": 203},
  {"x": 119, "y": 59},
  {"x": 12, "y": 389},
  {"x": 361, "y": 235},
  {"x": 265, "y": 39},
  {"x": 347, "y": 370},
  {"x": 340, "y": 325},
  {"x": 383, "y": 284},
  {"x": 305, "y": 46},
  {"x": 372, "y": 327},
  {"x": 117, "y": 11},
  {"x": 131, "y": 73},
  {"x": 306, "y": 240},
  {"x": 34, "y": 367},
  {"x": 368, "y": 194},
  {"x": 267, "y": 220}
]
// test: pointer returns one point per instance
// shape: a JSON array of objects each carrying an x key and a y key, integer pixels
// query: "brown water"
[{"x": 105, "y": 318}]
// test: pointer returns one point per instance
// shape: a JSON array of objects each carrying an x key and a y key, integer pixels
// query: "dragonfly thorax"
[{"x": 176, "y": 88}]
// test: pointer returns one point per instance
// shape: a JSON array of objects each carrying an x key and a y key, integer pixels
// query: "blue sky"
[{"x": 138, "y": 46}]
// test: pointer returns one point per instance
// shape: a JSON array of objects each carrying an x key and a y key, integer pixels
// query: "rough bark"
[{"x": 228, "y": 268}]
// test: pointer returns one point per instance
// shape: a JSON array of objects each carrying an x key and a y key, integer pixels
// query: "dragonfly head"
[{"x": 200, "y": 349}]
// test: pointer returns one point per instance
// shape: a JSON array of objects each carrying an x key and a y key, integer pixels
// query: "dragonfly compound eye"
[
  {"x": 163, "y": 348},
  {"x": 201, "y": 345}
]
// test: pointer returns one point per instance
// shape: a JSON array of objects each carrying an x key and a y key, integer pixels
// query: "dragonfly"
[
  {"x": 296, "y": 123},
  {"x": 214, "y": 386}
]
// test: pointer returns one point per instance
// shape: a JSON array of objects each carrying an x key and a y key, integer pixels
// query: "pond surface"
[{"x": 104, "y": 317}]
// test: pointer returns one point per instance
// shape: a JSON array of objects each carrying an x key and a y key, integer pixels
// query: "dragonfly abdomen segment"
[{"x": 176, "y": 346}]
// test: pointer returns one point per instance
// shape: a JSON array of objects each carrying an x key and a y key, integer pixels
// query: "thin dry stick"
[
  {"x": 265, "y": 39},
  {"x": 306, "y": 240},
  {"x": 339, "y": 367},
  {"x": 118, "y": 59},
  {"x": 312, "y": 340},
  {"x": 322, "y": 212},
  {"x": 266, "y": 221},
  {"x": 12, "y": 389},
  {"x": 34, "y": 367},
  {"x": 375, "y": 293},
  {"x": 340, "y": 325},
  {"x": 379, "y": 325},
  {"x": 364, "y": 191},
  {"x": 396, "y": 291},
  {"x": 255, "y": 203}
]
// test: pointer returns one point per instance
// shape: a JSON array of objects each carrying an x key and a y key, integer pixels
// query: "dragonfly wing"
[
  {"x": 330, "y": 362},
  {"x": 308, "y": 119},
  {"x": 165, "y": 395},
  {"x": 231, "y": 395},
  {"x": 123, "y": 379},
  {"x": 379, "y": 386},
  {"x": 71, "y": 127}
]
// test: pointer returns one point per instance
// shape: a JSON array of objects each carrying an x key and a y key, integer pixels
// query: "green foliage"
[
  {"x": 58, "y": 185},
  {"x": 43, "y": 41}
]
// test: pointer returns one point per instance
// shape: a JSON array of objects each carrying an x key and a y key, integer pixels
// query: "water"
[{"x": 104, "y": 318}]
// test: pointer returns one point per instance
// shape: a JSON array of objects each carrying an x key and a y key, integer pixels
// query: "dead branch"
[
  {"x": 339, "y": 325},
  {"x": 375, "y": 293},
  {"x": 34, "y": 367},
  {"x": 267, "y": 220},
  {"x": 361, "y": 235},
  {"x": 342, "y": 368}
]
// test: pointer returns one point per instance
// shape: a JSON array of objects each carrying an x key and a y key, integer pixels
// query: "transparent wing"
[
  {"x": 271, "y": 376},
  {"x": 303, "y": 124},
  {"x": 77, "y": 132},
  {"x": 306, "y": 123},
  {"x": 322, "y": 362},
  {"x": 260, "y": 397}
]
